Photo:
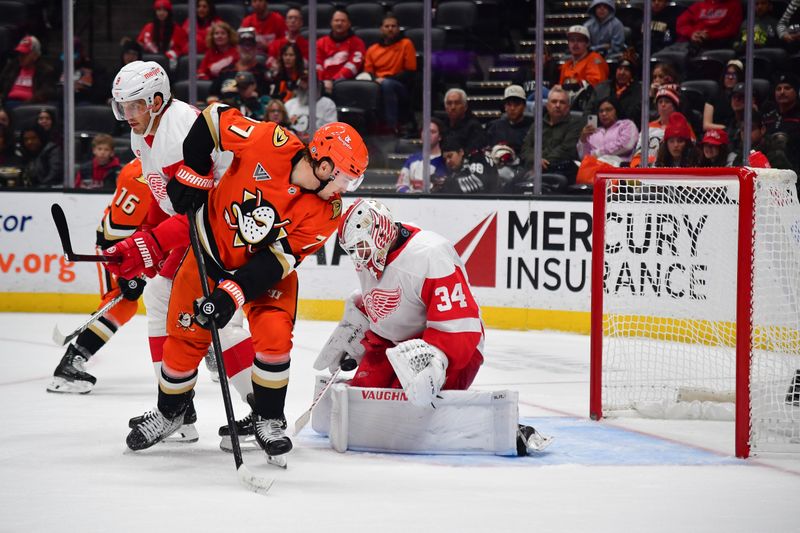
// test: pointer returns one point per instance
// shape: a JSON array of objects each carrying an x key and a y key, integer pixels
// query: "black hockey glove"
[
  {"x": 219, "y": 307},
  {"x": 187, "y": 190},
  {"x": 131, "y": 288}
]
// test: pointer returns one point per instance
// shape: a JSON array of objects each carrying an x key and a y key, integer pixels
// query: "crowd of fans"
[{"x": 592, "y": 91}]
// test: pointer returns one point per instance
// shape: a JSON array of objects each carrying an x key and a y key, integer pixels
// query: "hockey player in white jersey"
[
  {"x": 159, "y": 124},
  {"x": 414, "y": 324}
]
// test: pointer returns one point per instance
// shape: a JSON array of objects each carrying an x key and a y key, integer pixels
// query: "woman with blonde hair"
[{"x": 221, "y": 41}]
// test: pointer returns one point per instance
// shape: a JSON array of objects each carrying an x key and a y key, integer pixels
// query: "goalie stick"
[
  {"x": 63, "y": 233},
  {"x": 250, "y": 480},
  {"x": 61, "y": 339},
  {"x": 347, "y": 365}
]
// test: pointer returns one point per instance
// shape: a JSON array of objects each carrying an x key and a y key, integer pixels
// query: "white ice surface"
[{"x": 64, "y": 465}]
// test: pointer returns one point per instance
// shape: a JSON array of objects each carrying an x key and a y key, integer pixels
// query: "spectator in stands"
[
  {"x": 466, "y": 174},
  {"x": 765, "y": 28},
  {"x": 607, "y": 34},
  {"x": 664, "y": 76},
  {"x": 709, "y": 24},
  {"x": 512, "y": 127},
  {"x": 290, "y": 70},
  {"x": 736, "y": 121},
  {"x": 410, "y": 178},
  {"x": 718, "y": 112},
  {"x": 5, "y": 119},
  {"x": 248, "y": 61},
  {"x": 560, "y": 133},
  {"x": 667, "y": 103},
  {"x": 624, "y": 87},
  {"x": 46, "y": 119},
  {"x": 221, "y": 51},
  {"x": 461, "y": 123},
  {"x": 10, "y": 162},
  {"x": 785, "y": 117},
  {"x": 340, "y": 55},
  {"x": 268, "y": 25},
  {"x": 42, "y": 159},
  {"x": 714, "y": 149},
  {"x": 247, "y": 98},
  {"x": 662, "y": 25},
  {"x": 130, "y": 51},
  {"x": 583, "y": 64},
  {"x": 102, "y": 170},
  {"x": 294, "y": 23},
  {"x": 678, "y": 149},
  {"x": 27, "y": 77},
  {"x": 297, "y": 108},
  {"x": 206, "y": 14},
  {"x": 392, "y": 63},
  {"x": 88, "y": 87},
  {"x": 761, "y": 142},
  {"x": 526, "y": 77},
  {"x": 613, "y": 139},
  {"x": 163, "y": 35},
  {"x": 276, "y": 112},
  {"x": 787, "y": 32}
]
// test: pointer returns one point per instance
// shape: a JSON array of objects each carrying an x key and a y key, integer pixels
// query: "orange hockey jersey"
[{"x": 128, "y": 209}]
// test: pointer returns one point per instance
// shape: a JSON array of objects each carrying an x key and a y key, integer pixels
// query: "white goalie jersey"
[{"x": 424, "y": 293}]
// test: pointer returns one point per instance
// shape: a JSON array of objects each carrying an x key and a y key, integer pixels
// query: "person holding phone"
[{"x": 606, "y": 135}]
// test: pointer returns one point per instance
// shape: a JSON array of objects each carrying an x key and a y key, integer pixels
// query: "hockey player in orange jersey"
[
  {"x": 121, "y": 219},
  {"x": 277, "y": 203}
]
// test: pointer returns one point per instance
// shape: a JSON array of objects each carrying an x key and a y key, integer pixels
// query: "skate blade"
[
  {"x": 187, "y": 433},
  {"x": 62, "y": 385},
  {"x": 247, "y": 443},
  {"x": 278, "y": 460},
  {"x": 538, "y": 443}
]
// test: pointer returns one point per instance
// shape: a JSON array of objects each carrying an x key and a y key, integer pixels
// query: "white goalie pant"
[
  {"x": 156, "y": 302},
  {"x": 383, "y": 420}
]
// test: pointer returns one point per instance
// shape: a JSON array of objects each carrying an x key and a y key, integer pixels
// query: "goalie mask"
[{"x": 367, "y": 232}]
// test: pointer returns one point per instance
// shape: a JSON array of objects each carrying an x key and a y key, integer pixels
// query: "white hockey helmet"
[
  {"x": 139, "y": 80},
  {"x": 367, "y": 232}
]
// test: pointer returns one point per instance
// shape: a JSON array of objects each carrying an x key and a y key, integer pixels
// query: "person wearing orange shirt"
[
  {"x": 583, "y": 65},
  {"x": 392, "y": 63}
]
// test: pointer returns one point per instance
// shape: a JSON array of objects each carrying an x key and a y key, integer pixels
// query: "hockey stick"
[
  {"x": 347, "y": 364},
  {"x": 61, "y": 339},
  {"x": 250, "y": 480},
  {"x": 63, "y": 233}
]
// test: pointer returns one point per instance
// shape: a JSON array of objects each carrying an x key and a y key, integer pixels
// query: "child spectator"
[
  {"x": 607, "y": 34},
  {"x": 765, "y": 28},
  {"x": 709, "y": 24},
  {"x": 101, "y": 172},
  {"x": 294, "y": 23},
  {"x": 221, "y": 52},
  {"x": 206, "y": 14},
  {"x": 677, "y": 149},
  {"x": 163, "y": 35},
  {"x": 290, "y": 70},
  {"x": 340, "y": 55},
  {"x": 268, "y": 25},
  {"x": 714, "y": 149},
  {"x": 466, "y": 174},
  {"x": 411, "y": 178},
  {"x": 248, "y": 100},
  {"x": 583, "y": 64}
]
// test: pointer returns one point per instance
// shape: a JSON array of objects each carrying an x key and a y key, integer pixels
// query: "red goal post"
[{"x": 696, "y": 299}]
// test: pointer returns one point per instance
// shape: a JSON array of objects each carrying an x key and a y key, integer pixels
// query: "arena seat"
[
  {"x": 370, "y": 36},
  {"x": 95, "y": 119},
  {"x": 324, "y": 14},
  {"x": 409, "y": 14},
  {"x": 366, "y": 14}
]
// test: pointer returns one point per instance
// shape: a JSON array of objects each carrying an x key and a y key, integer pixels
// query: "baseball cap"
[
  {"x": 247, "y": 35},
  {"x": 578, "y": 29},
  {"x": 29, "y": 44},
  {"x": 715, "y": 137},
  {"x": 244, "y": 77},
  {"x": 514, "y": 91}
]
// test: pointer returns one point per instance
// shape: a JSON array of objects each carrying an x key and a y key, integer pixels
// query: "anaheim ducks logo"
[
  {"x": 256, "y": 222},
  {"x": 185, "y": 321},
  {"x": 279, "y": 137},
  {"x": 380, "y": 303}
]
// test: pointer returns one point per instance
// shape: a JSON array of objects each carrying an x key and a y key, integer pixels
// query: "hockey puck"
[{"x": 348, "y": 364}]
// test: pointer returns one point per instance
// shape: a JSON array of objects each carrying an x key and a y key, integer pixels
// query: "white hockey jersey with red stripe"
[
  {"x": 162, "y": 153},
  {"x": 424, "y": 293}
]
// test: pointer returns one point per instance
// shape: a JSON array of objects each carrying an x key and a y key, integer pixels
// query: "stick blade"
[
  {"x": 59, "y": 338},
  {"x": 301, "y": 422},
  {"x": 255, "y": 483}
]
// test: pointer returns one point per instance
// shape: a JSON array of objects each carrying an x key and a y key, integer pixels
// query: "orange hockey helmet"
[{"x": 345, "y": 148}]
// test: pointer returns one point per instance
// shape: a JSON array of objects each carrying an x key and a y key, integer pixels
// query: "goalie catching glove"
[
  {"x": 421, "y": 369},
  {"x": 220, "y": 306},
  {"x": 140, "y": 254},
  {"x": 344, "y": 345},
  {"x": 188, "y": 190}
]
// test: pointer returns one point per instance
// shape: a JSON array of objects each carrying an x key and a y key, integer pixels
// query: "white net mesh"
[{"x": 669, "y": 313}]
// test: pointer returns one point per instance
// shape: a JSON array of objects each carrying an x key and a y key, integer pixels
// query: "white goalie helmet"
[
  {"x": 136, "y": 82},
  {"x": 367, "y": 232}
]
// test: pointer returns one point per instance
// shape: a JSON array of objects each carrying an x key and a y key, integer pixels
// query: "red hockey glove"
[
  {"x": 188, "y": 190},
  {"x": 140, "y": 253}
]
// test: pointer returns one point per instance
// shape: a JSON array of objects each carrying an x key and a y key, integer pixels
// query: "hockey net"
[{"x": 696, "y": 299}]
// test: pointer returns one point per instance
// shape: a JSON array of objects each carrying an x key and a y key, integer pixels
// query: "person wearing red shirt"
[
  {"x": 710, "y": 23},
  {"x": 163, "y": 35},
  {"x": 221, "y": 51},
  {"x": 294, "y": 23},
  {"x": 27, "y": 78},
  {"x": 269, "y": 25},
  {"x": 206, "y": 15},
  {"x": 340, "y": 55}
]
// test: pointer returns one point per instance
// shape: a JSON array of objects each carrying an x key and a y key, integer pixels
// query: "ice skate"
[
  {"x": 153, "y": 428},
  {"x": 211, "y": 365},
  {"x": 186, "y": 433},
  {"x": 70, "y": 375},
  {"x": 793, "y": 394},
  {"x": 271, "y": 437},
  {"x": 244, "y": 428},
  {"x": 531, "y": 441}
]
